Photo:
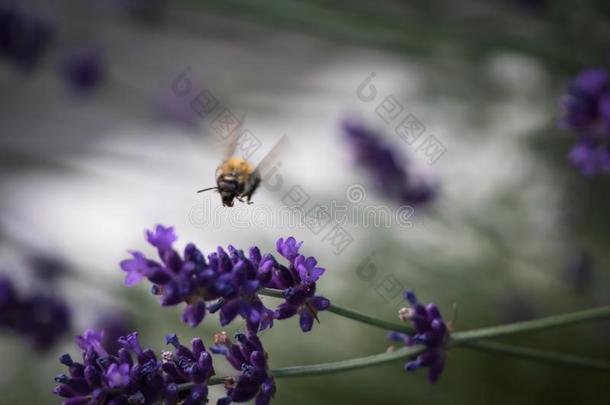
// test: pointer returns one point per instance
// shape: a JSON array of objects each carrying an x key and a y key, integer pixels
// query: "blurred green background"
[{"x": 82, "y": 176}]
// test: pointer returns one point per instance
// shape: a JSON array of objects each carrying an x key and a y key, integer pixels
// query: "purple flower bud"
[
  {"x": 136, "y": 268},
  {"x": 306, "y": 320},
  {"x": 91, "y": 339},
  {"x": 118, "y": 376},
  {"x": 172, "y": 339},
  {"x": 66, "y": 360},
  {"x": 194, "y": 313},
  {"x": 288, "y": 248},
  {"x": 162, "y": 237},
  {"x": 308, "y": 272},
  {"x": 410, "y": 296},
  {"x": 430, "y": 331}
]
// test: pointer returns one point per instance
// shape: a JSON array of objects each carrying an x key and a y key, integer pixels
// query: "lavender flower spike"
[
  {"x": 585, "y": 109},
  {"x": 134, "y": 375},
  {"x": 250, "y": 358},
  {"x": 430, "y": 330},
  {"x": 390, "y": 173},
  {"x": 228, "y": 281}
]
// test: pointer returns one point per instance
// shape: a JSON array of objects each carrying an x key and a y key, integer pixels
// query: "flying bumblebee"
[{"x": 238, "y": 179}]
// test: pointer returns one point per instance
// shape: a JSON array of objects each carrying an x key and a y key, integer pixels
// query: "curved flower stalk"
[
  {"x": 429, "y": 330},
  {"x": 229, "y": 281},
  {"x": 184, "y": 374},
  {"x": 391, "y": 176},
  {"x": 586, "y": 110},
  {"x": 41, "y": 318},
  {"x": 134, "y": 375}
]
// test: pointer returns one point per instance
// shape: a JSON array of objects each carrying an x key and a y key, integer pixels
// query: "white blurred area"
[{"x": 111, "y": 169}]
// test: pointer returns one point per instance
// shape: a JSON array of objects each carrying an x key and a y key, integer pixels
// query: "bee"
[{"x": 238, "y": 179}]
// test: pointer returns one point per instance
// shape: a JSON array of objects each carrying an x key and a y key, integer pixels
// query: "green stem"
[
  {"x": 533, "y": 325},
  {"x": 470, "y": 339},
  {"x": 542, "y": 356},
  {"x": 347, "y": 365},
  {"x": 348, "y": 313},
  {"x": 333, "y": 367},
  {"x": 408, "y": 352},
  {"x": 477, "y": 334}
]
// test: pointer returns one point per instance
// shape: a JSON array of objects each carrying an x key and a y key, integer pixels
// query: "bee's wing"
[
  {"x": 272, "y": 156},
  {"x": 230, "y": 138}
]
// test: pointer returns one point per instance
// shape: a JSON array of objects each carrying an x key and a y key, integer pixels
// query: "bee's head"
[{"x": 227, "y": 199}]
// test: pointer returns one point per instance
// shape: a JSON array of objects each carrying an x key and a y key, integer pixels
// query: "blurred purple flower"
[
  {"x": 174, "y": 107},
  {"x": 84, "y": 69},
  {"x": 429, "y": 330},
  {"x": 41, "y": 318},
  {"x": 591, "y": 159},
  {"x": 586, "y": 110},
  {"x": 113, "y": 325},
  {"x": 250, "y": 358},
  {"x": 229, "y": 281},
  {"x": 47, "y": 268},
  {"x": 390, "y": 172},
  {"x": 24, "y": 35},
  {"x": 579, "y": 271}
]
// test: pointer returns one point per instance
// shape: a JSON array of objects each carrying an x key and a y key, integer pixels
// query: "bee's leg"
[
  {"x": 240, "y": 199},
  {"x": 249, "y": 198},
  {"x": 251, "y": 187}
]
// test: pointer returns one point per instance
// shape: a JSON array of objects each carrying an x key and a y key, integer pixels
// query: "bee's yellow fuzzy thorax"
[{"x": 237, "y": 166}]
